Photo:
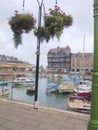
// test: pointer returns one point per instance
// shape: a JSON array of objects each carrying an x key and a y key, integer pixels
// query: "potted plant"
[
  {"x": 21, "y": 23},
  {"x": 42, "y": 33},
  {"x": 54, "y": 24}
]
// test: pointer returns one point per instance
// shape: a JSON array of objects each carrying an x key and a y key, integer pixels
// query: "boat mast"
[{"x": 83, "y": 61}]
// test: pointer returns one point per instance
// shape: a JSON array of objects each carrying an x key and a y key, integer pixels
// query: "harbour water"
[{"x": 54, "y": 100}]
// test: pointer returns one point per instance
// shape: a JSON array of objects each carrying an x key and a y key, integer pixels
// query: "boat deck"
[{"x": 79, "y": 104}]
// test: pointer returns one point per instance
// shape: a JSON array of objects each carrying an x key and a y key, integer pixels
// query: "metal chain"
[
  {"x": 23, "y": 5},
  {"x": 56, "y": 2}
]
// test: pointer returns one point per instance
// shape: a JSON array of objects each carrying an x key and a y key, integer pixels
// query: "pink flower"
[
  {"x": 64, "y": 13},
  {"x": 50, "y": 9},
  {"x": 45, "y": 14},
  {"x": 16, "y": 11},
  {"x": 58, "y": 8}
]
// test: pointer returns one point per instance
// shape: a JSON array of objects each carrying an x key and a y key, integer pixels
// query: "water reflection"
[{"x": 54, "y": 100}]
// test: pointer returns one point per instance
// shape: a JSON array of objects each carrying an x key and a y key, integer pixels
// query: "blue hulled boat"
[
  {"x": 3, "y": 82},
  {"x": 52, "y": 87}
]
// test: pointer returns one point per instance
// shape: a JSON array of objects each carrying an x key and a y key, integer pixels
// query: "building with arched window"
[
  {"x": 64, "y": 59},
  {"x": 81, "y": 62}
]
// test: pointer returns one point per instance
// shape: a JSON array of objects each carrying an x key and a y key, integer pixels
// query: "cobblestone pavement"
[{"x": 15, "y": 115}]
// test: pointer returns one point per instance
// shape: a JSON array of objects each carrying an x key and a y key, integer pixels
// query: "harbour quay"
[{"x": 17, "y": 115}]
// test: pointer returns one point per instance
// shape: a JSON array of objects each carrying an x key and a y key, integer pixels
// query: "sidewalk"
[{"x": 15, "y": 115}]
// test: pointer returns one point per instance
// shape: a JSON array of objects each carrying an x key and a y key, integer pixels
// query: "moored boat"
[
  {"x": 3, "y": 82},
  {"x": 66, "y": 87},
  {"x": 82, "y": 92},
  {"x": 83, "y": 89},
  {"x": 30, "y": 90},
  {"x": 79, "y": 104},
  {"x": 51, "y": 87},
  {"x": 4, "y": 92},
  {"x": 66, "y": 79},
  {"x": 23, "y": 81},
  {"x": 85, "y": 84}
]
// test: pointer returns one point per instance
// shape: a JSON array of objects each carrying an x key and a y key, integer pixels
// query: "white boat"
[
  {"x": 83, "y": 89},
  {"x": 79, "y": 104},
  {"x": 23, "y": 81},
  {"x": 4, "y": 92},
  {"x": 56, "y": 76},
  {"x": 85, "y": 84},
  {"x": 83, "y": 92},
  {"x": 66, "y": 87}
]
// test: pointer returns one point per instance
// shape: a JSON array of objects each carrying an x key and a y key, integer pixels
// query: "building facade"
[
  {"x": 59, "y": 58},
  {"x": 64, "y": 59},
  {"x": 11, "y": 63},
  {"x": 82, "y": 62}
]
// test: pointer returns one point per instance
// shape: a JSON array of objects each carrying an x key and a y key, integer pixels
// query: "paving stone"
[
  {"x": 64, "y": 124},
  {"x": 80, "y": 127},
  {"x": 65, "y": 128},
  {"x": 30, "y": 122},
  {"x": 46, "y": 120},
  {"x": 17, "y": 116},
  {"x": 3, "y": 120},
  {"x": 3, "y": 128},
  {"x": 31, "y": 128},
  {"x": 49, "y": 127},
  {"x": 13, "y": 125}
]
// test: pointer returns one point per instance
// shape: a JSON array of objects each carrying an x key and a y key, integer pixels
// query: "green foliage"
[
  {"x": 21, "y": 23},
  {"x": 17, "y": 39},
  {"x": 42, "y": 33},
  {"x": 54, "y": 24},
  {"x": 67, "y": 21}
]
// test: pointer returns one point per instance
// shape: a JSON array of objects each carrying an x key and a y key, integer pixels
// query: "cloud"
[
  {"x": 2, "y": 37},
  {"x": 81, "y": 11}
]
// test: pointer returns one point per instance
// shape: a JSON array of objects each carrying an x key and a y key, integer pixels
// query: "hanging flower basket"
[
  {"x": 21, "y": 23},
  {"x": 42, "y": 33},
  {"x": 54, "y": 24},
  {"x": 57, "y": 20}
]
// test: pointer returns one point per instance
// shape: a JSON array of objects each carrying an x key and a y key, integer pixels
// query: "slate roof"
[{"x": 58, "y": 50}]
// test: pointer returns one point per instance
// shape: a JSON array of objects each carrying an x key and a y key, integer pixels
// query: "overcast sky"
[{"x": 80, "y": 10}]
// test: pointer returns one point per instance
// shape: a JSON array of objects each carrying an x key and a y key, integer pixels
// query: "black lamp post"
[{"x": 36, "y": 104}]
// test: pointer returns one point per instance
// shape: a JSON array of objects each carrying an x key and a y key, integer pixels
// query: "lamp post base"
[
  {"x": 36, "y": 105},
  {"x": 92, "y": 125}
]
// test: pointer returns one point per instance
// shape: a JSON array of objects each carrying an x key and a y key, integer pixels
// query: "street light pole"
[
  {"x": 93, "y": 122},
  {"x": 36, "y": 104}
]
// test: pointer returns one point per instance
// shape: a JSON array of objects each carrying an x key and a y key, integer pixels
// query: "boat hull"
[
  {"x": 66, "y": 88},
  {"x": 3, "y": 83},
  {"x": 83, "y": 94},
  {"x": 79, "y": 104},
  {"x": 23, "y": 81},
  {"x": 51, "y": 87},
  {"x": 30, "y": 90},
  {"x": 4, "y": 93}
]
